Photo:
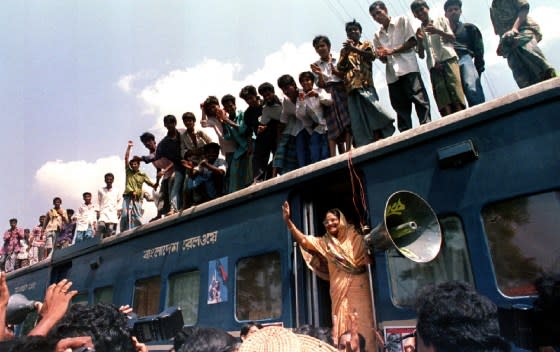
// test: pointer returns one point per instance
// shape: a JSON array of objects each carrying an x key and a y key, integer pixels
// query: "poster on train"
[
  {"x": 218, "y": 280},
  {"x": 400, "y": 338}
]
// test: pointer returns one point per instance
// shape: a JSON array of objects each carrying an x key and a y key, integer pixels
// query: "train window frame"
[
  {"x": 169, "y": 286},
  {"x": 542, "y": 219},
  {"x": 102, "y": 288},
  {"x": 157, "y": 300},
  {"x": 76, "y": 299},
  {"x": 402, "y": 301},
  {"x": 275, "y": 310}
]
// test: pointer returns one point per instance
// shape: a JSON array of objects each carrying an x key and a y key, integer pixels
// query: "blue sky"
[{"x": 80, "y": 78}]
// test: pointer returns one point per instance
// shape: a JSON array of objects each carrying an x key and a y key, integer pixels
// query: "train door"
[{"x": 325, "y": 192}]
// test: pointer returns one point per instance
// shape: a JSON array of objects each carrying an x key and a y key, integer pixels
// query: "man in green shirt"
[{"x": 132, "y": 198}]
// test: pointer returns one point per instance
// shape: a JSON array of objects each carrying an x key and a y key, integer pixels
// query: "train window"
[
  {"x": 146, "y": 296},
  {"x": 523, "y": 238},
  {"x": 184, "y": 291},
  {"x": 452, "y": 263},
  {"x": 103, "y": 295},
  {"x": 81, "y": 298},
  {"x": 259, "y": 287}
]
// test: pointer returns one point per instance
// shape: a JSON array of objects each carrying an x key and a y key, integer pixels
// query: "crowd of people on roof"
[{"x": 334, "y": 108}]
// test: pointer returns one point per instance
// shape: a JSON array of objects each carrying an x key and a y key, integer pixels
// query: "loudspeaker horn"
[
  {"x": 410, "y": 225},
  {"x": 18, "y": 308}
]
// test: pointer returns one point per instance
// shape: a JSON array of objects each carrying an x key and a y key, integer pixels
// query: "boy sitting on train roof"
[
  {"x": 207, "y": 178},
  {"x": 132, "y": 197}
]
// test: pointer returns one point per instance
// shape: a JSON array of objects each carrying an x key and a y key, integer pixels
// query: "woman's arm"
[{"x": 298, "y": 235}]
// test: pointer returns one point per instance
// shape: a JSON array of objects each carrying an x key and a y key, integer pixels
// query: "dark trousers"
[
  {"x": 407, "y": 90},
  {"x": 265, "y": 144}
]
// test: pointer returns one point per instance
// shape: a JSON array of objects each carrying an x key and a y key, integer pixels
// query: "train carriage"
[{"x": 490, "y": 173}]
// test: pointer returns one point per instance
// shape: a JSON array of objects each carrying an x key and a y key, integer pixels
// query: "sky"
[{"x": 81, "y": 78}]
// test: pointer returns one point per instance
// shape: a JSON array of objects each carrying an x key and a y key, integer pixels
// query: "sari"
[{"x": 342, "y": 261}]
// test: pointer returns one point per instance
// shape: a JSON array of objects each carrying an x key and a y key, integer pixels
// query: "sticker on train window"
[{"x": 218, "y": 280}]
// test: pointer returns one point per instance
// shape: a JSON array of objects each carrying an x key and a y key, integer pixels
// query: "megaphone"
[
  {"x": 18, "y": 308},
  {"x": 410, "y": 225}
]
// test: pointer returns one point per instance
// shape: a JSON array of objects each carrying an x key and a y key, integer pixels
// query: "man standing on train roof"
[
  {"x": 165, "y": 173},
  {"x": 369, "y": 120},
  {"x": 394, "y": 44},
  {"x": 170, "y": 147},
  {"x": 109, "y": 204},
  {"x": 519, "y": 36},
  {"x": 12, "y": 245},
  {"x": 37, "y": 242},
  {"x": 468, "y": 46},
  {"x": 132, "y": 196},
  {"x": 55, "y": 218},
  {"x": 86, "y": 223}
]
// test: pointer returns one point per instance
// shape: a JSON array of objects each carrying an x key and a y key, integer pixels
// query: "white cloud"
[
  {"x": 546, "y": 17},
  {"x": 184, "y": 89},
  {"x": 125, "y": 82}
]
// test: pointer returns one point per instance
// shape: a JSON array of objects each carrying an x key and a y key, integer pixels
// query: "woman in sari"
[{"x": 344, "y": 251}]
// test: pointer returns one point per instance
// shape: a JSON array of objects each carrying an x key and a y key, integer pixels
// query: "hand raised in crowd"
[
  {"x": 349, "y": 45},
  {"x": 139, "y": 346},
  {"x": 130, "y": 144},
  {"x": 126, "y": 309},
  {"x": 74, "y": 343},
  {"x": 315, "y": 69},
  {"x": 351, "y": 344},
  {"x": 57, "y": 299}
]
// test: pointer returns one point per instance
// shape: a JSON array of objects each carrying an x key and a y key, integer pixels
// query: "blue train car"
[{"x": 490, "y": 173}]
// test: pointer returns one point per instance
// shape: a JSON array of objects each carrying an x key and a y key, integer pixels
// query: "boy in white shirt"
[
  {"x": 86, "y": 219},
  {"x": 310, "y": 110}
]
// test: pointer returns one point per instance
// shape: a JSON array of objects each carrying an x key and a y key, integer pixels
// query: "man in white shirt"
[
  {"x": 310, "y": 110},
  {"x": 86, "y": 220},
  {"x": 110, "y": 203},
  {"x": 394, "y": 44}
]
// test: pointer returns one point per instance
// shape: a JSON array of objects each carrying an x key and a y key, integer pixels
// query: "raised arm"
[
  {"x": 298, "y": 235},
  {"x": 127, "y": 153},
  {"x": 57, "y": 299}
]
